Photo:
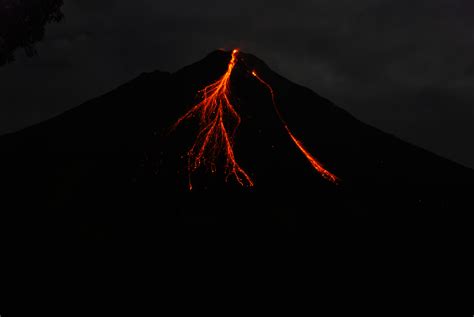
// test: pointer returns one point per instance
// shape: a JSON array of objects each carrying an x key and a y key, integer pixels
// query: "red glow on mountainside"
[
  {"x": 218, "y": 122},
  {"x": 316, "y": 165}
]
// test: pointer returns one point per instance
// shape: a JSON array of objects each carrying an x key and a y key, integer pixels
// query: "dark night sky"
[{"x": 403, "y": 66}]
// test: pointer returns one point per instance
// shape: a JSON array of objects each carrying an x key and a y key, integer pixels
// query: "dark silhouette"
[
  {"x": 107, "y": 183},
  {"x": 22, "y": 24}
]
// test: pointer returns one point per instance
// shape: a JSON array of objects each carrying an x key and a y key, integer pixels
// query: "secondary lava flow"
[
  {"x": 218, "y": 122},
  {"x": 316, "y": 165}
]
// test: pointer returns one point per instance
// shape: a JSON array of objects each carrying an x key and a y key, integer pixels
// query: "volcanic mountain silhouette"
[{"x": 112, "y": 173}]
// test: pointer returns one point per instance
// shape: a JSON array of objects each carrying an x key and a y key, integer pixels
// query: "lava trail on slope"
[{"x": 218, "y": 123}]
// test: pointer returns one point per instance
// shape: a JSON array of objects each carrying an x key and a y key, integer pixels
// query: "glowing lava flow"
[
  {"x": 316, "y": 165},
  {"x": 213, "y": 138}
]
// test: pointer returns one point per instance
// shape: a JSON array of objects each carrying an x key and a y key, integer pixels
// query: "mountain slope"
[
  {"x": 102, "y": 191},
  {"x": 114, "y": 164}
]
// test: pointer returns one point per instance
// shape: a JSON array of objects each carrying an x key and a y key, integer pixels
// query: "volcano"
[
  {"x": 116, "y": 159},
  {"x": 113, "y": 173}
]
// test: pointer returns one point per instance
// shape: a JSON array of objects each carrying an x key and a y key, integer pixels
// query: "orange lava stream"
[
  {"x": 316, "y": 165},
  {"x": 217, "y": 116}
]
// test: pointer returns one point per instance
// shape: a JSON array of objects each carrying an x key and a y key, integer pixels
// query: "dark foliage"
[{"x": 22, "y": 24}]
